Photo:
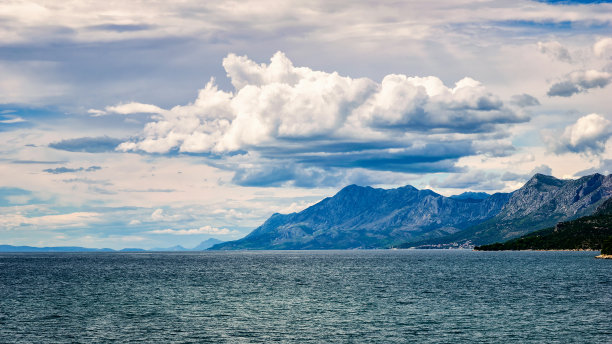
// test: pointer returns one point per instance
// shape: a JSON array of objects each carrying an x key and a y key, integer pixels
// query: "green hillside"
[{"x": 587, "y": 233}]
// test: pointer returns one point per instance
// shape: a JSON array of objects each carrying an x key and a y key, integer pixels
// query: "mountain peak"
[
  {"x": 471, "y": 195},
  {"x": 354, "y": 187},
  {"x": 366, "y": 217},
  {"x": 539, "y": 179}
]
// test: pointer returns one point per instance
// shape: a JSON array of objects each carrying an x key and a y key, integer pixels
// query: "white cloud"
[
  {"x": 414, "y": 103},
  {"x": 161, "y": 215},
  {"x": 130, "y": 108},
  {"x": 279, "y": 105},
  {"x": 603, "y": 47},
  {"x": 201, "y": 230},
  {"x": 588, "y": 135},
  {"x": 9, "y": 119},
  {"x": 158, "y": 215}
]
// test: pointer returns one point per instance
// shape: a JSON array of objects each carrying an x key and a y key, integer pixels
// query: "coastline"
[
  {"x": 551, "y": 250},
  {"x": 604, "y": 256}
]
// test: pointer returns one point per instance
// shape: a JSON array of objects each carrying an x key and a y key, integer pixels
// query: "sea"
[{"x": 359, "y": 296}]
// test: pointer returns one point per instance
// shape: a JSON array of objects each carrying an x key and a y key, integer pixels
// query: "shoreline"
[
  {"x": 552, "y": 250},
  {"x": 567, "y": 250},
  {"x": 604, "y": 256}
]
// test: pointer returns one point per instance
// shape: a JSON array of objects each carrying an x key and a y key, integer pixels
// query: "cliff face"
[{"x": 365, "y": 217}]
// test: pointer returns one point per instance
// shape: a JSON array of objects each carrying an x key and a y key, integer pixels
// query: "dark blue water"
[{"x": 398, "y": 296}]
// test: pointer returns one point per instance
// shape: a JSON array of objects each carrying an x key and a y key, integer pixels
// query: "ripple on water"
[{"x": 306, "y": 297}]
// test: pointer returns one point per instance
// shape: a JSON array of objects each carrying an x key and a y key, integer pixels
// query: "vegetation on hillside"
[{"x": 586, "y": 233}]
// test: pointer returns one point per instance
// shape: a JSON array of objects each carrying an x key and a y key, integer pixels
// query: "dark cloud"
[
  {"x": 60, "y": 170},
  {"x": 263, "y": 176},
  {"x": 337, "y": 164},
  {"x": 524, "y": 100},
  {"x": 87, "y": 181},
  {"x": 299, "y": 175},
  {"x": 563, "y": 89},
  {"x": 88, "y": 144},
  {"x": 426, "y": 158},
  {"x": 121, "y": 27},
  {"x": 579, "y": 82}
]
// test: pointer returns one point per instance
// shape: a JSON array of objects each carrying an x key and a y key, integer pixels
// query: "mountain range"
[{"x": 366, "y": 217}]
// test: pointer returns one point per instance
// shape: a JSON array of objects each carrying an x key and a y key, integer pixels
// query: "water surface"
[{"x": 401, "y": 296}]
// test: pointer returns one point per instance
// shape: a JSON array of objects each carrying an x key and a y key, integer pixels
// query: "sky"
[{"x": 151, "y": 124}]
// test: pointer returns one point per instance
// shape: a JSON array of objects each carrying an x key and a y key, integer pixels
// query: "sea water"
[{"x": 390, "y": 296}]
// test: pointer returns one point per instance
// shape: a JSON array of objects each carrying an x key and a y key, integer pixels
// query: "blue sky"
[{"x": 154, "y": 124}]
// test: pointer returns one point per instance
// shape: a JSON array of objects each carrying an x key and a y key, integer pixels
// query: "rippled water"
[{"x": 306, "y": 297}]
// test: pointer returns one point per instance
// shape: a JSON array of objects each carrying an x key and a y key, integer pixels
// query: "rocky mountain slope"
[
  {"x": 540, "y": 203},
  {"x": 365, "y": 217},
  {"x": 585, "y": 233}
]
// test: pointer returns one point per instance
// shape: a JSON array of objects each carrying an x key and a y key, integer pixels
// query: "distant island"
[
  {"x": 592, "y": 232},
  {"x": 204, "y": 245}
]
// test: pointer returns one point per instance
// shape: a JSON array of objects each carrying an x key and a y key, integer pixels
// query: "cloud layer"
[{"x": 279, "y": 111}]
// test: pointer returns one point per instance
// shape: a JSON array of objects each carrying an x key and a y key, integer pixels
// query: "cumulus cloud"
[
  {"x": 279, "y": 111},
  {"x": 280, "y": 102},
  {"x": 588, "y": 135},
  {"x": 579, "y": 82},
  {"x": 195, "y": 231},
  {"x": 555, "y": 50}
]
